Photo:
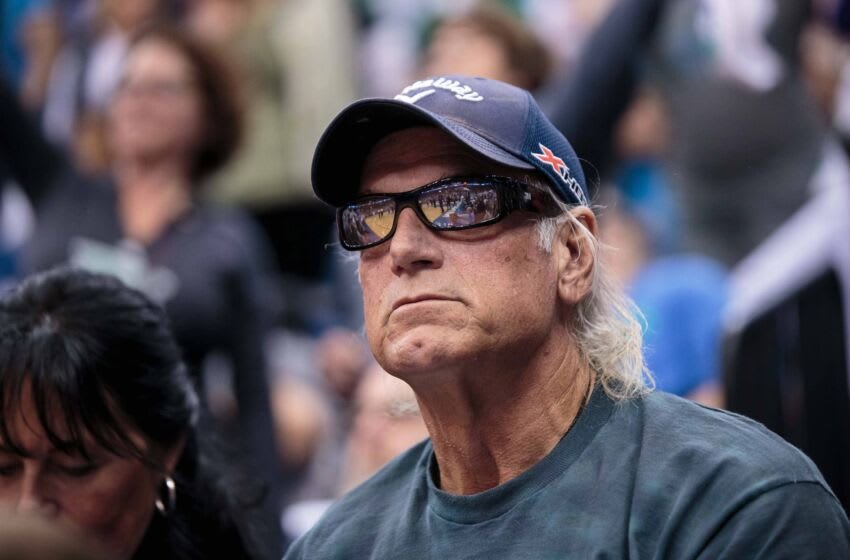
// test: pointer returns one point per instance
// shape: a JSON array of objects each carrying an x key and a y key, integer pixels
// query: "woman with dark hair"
[
  {"x": 174, "y": 119},
  {"x": 97, "y": 421}
]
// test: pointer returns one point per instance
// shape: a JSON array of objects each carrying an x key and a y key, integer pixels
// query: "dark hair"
[
  {"x": 99, "y": 357},
  {"x": 216, "y": 82},
  {"x": 100, "y": 353}
]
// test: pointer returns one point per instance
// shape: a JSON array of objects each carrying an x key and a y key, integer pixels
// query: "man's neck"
[
  {"x": 494, "y": 425},
  {"x": 151, "y": 195}
]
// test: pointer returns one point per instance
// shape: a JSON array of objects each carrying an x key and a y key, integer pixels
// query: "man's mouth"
[{"x": 419, "y": 299}]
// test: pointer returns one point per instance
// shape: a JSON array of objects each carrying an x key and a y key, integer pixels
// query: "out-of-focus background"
[{"x": 714, "y": 134}]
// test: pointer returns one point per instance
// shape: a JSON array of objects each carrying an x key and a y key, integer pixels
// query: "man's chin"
[{"x": 423, "y": 349}]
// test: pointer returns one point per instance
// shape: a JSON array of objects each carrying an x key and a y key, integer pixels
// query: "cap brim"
[{"x": 344, "y": 146}]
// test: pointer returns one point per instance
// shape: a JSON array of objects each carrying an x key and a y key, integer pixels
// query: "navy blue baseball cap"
[{"x": 499, "y": 121}]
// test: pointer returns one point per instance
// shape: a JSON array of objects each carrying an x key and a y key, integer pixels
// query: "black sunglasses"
[{"x": 449, "y": 204}]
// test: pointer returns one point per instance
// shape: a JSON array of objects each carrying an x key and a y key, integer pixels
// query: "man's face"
[{"x": 452, "y": 299}]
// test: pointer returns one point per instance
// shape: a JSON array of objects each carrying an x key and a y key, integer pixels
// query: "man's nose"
[{"x": 413, "y": 246}]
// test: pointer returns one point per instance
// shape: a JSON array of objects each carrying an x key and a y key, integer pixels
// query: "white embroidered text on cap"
[{"x": 461, "y": 91}]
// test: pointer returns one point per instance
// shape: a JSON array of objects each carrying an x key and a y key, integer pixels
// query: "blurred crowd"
[{"x": 168, "y": 143}]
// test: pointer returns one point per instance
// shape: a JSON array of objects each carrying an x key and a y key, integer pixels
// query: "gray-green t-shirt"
[{"x": 655, "y": 477}]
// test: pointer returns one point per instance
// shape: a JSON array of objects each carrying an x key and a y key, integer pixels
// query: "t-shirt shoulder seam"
[
  {"x": 778, "y": 485},
  {"x": 741, "y": 505}
]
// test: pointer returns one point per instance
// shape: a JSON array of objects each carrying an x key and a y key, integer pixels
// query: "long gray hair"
[{"x": 608, "y": 324}]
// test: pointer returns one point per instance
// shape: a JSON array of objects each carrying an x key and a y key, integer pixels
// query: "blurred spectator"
[
  {"x": 393, "y": 32},
  {"x": 30, "y": 36},
  {"x": 173, "y": 121},
  {"x": 303, "y": 421},
  {"x": 295, "y": 59},
  {"x": 681, "y": 295},
  {"x": 788, "y": 329},
  {"x": 827, "y": 63},
  {"x": 641, "y": 139},
  {"x": 16, "y": 223},
  {"x": 85, "y": 73},
  {"x": 339, "y": 360},
  {"x": 565, "y": 25},
  {"x": 385, "y": 422},
  {"x": 246, "y": 30},
  {"x": 33, "y": 537},
  {"x": 489, "y": 42},
  {"x": 731, "y": 79},
  {"x": 15, "y": 16},
  {"x": 391, "y": 39},
  {"x": 342, "y": 358}
]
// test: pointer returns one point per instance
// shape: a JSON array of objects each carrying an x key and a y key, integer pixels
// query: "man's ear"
[{"x": 576, "y": 256}]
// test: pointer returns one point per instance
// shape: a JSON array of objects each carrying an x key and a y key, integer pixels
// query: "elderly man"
[{"x": 483, "y": 291}]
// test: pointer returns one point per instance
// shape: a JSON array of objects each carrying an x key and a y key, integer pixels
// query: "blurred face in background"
[
  {"x": 386, "y": 422},
  {"x": 130, "y": 14},
  {"x": 109, "y": 498},
  {"x": 465, "y": 49},
  {"x": 32, "y": 537},
  {"x": 218, "y": 21},
  {"x": 157, "y": 110}
]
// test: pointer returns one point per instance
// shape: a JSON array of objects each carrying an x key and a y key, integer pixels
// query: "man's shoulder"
[
  {"x": 353, "y": 520},
  {"x": 690, "y": 432},
  {"x": 713, "y": 460},
  {"x": 721, "y": 432},
  {"x": 715, "y": 479}
]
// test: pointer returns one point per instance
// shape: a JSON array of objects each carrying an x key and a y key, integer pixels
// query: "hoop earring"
[{"x": 170, "y": 503}]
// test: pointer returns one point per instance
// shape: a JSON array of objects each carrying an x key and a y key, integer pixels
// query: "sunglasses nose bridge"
[
  {"x": 408, "y": 200},
  {"x": 414, "y": 209}
]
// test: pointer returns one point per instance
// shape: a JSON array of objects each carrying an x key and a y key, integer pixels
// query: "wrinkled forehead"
[{"x": 412, "y": 157}]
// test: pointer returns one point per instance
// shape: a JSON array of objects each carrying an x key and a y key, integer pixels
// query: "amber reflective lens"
[
  {"x": 459, "y": 206},
  {"x": 367, "y": 222}
]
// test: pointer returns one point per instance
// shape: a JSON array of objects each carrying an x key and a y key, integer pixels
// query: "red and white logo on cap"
[
  {"x": 561, "y": 169},
  {"x": 549, "y": 158}
]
